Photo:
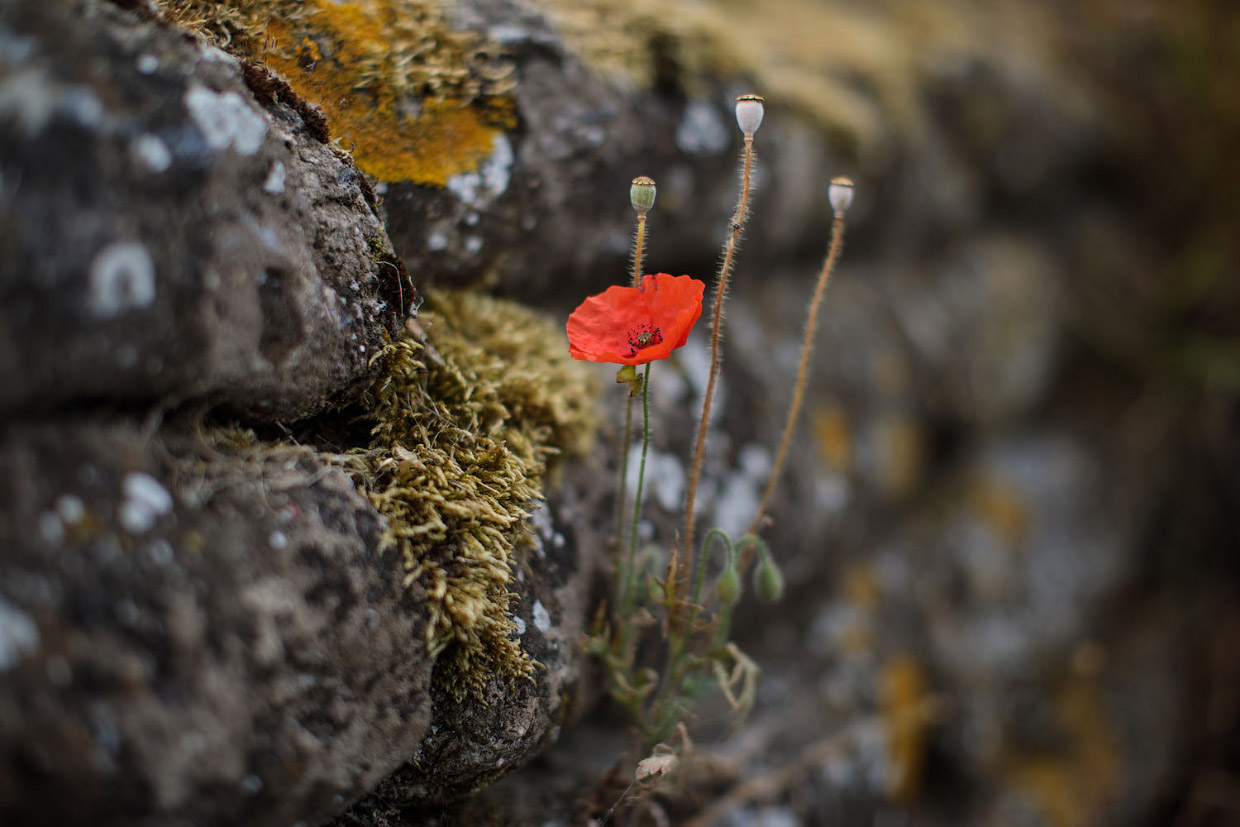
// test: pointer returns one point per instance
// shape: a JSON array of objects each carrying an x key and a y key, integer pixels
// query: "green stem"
[
  {"x": 701, "y": 572},
  {"x": 641, "y": 468},
  {"x": 624, "y": 573}
]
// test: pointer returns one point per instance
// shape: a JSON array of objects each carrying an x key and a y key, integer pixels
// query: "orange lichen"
[
  {"x": 901, "y": 454},
  {"x": 1000, "y": 508},
  {"x": 410, "y": 98},
  {"x": 833, "y": 436},
  {"x": 903, "y": 689},
  {"x": 862, "y": 587},
  {"x": 1073, "y": 786}
]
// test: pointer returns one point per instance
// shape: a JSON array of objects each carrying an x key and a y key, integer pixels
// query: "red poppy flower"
[{"x": 632, "y": 325}]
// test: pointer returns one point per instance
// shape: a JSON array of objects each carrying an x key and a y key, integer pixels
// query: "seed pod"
[
  {"x": 841, "y": 194},
  {"x": 768, "y": 581},
  {"x": 749, "y": 113},
  {"x": 641, "y": 194},
  {"x": 729, "y": 587}
]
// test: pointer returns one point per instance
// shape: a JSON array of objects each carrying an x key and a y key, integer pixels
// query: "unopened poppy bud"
[
  {"x": 642, "y": 193},
  {"x": 628, "y": 373},
  {"x": 768, "y": 581},
  {"x": 749, "y": 113},
  {"x": 729, "y": 587},
  {"x": 841, "y": 194}
]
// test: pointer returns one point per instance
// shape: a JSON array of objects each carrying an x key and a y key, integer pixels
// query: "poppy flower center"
[{"x": 644, "y": 336}]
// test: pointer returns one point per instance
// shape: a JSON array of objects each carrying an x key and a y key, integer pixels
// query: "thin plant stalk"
[
  {"x": 716, "y": 337},
  {"x": 641, "y": 468},
  {"x": 807, "y": 350},
  {"x": 638, "y": 245},
  {"x": 624, "y": 577}
]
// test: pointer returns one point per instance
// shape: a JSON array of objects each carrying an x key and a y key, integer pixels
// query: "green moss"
[{"x": 467, "y": 424}]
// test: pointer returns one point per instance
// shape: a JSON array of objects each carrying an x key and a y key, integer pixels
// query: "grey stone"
[
  {"x": 204, "y": 634},
  {"x": 171, "y": 233}
]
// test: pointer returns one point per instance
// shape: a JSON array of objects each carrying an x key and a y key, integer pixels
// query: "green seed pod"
[
  {"x": 642, "y": 193},
  {"x": 628, "y": 373},
  {"x": 768, "y": 580},
  {"x": 729, "y": 587}
]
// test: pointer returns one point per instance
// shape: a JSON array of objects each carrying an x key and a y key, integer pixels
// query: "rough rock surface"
[
  {"x": 170, "y": 236},
  {"x": 1006, "y": 471},
  {"x": 192, "y": 633},
  {"x": 469, "y": 745}
]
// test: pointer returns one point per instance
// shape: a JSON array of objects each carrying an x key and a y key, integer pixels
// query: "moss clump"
[
  {"x": 410, "y": 97},
  {"x": 467, "y": 423}
]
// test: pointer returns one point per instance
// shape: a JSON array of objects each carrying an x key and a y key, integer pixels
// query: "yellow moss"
[
  {"x": 408, "y": 96},
  {"x": 466, "y": 427}
]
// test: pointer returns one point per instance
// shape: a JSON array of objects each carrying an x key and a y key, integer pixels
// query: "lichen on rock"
[
  {"x": 467, "y": 422},
  {"x": 410, "y": 97}
]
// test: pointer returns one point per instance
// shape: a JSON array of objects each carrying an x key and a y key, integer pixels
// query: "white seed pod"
[
  {"x": 661, "y": 763},
  {"x": 841, "y": 194},
  {"x": 749, "y": 113}
]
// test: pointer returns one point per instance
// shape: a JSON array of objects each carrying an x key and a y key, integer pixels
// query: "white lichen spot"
[
  {"x": 665, "y": 477},
  {"x": 540, "y": 617},
  {"x": 161, "y": 552},
  {"x": 145, "y": 502},
  {"x": 122, "y": 276},
  {"x": 151, "y": 152},
  {"x": 70, "y": 508},
  {"x": 274, "y": 185},
  {"x": 82, "y": 106},
  {"x": 51, "y": 528},
  {"x": 518, "y": 626},
  {"x": 18, "y": 635},
  {"x": 702, "y": 130},
  {"x": 27, "y": 97},
  {"x": 541, "y": 518},
  {"x": 147, "y": 64},
  {"x": 473, "y": 245},
  {"x": 736, "y": 504},
  {"x": 491, "y": 179},
  {"x": 15, "y": 50},
  {"x": 437, "y": 241},
  {"x": 226, "y": 120},
  {"x": 278, "y": 540},
  {"x": 755, "y": 461}
]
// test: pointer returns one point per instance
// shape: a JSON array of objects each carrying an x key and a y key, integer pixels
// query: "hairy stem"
[
  {"x": 638, "y": 246},
  {"x": 807, "y": 350},
  {"x": 716, "y": 337},
  {"x": 624, "y": 575}
]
